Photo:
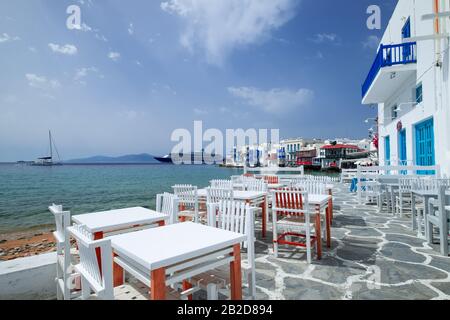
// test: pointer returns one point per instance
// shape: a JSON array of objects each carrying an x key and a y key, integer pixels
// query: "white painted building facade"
[{"x": 409, "y": 81}]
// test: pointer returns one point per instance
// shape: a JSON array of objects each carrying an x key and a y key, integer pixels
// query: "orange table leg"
[
  {"x": 318, "y": 234},
  {"x": 264, "y": 214},
  {"x": 98, "y": 236},
  {"x": 161, "y": 223},
  {"x": 328, "y": 226},
  {"x": 186, "y": 286},
  {"x": 330, "y": 204},
  {"x": 117, "y": 273},
  {"x": 158, "y": 284},
  {"x": 236, "y": 274}
]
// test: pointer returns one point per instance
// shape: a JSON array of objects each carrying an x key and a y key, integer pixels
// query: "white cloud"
[
  {"x": 274, "y": 101},
  {"x": 7, "y": 38},
  {"x": 82, "y": 73},
  {"x": 68, "y": 49},
  {"x": 221, "y": 26},
  {"x": 114, "y": 56},
  {"x": 41, "y": 82},
  {"x": 200, "y": 112},
  {"x": 326, "y": 37},
  {"x": 372, "y": 42},
  {"x": 131, "y": 29},
  {"x": 85, "y": 27}
]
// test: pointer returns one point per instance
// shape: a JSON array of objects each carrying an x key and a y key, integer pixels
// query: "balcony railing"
[{"x": 390, "y": 55}]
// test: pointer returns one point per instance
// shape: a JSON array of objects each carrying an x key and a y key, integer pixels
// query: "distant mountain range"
[{"x": 130, "y": 158}]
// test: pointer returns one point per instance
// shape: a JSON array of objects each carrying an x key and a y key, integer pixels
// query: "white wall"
[
  {"x": 31, "y": 278},
  {"x": 435, "y": 99}
]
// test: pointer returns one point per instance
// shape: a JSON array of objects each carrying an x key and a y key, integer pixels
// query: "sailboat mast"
[{"x": 50, "y": 140}]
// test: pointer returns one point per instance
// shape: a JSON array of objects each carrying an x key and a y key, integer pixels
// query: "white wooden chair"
[
  {"x": 215, "y": 195},
  {"x": 439, "y": 217},
  {"x": 255, "y": 185},
  {"x": 64, "y": 277},
  {"x": 312, "y": 187},
  {"x": 98, "y": 284},
  {"x": 271, "y": 179},
  {"x": 291, "y": 217},
  {"x": 235, "y": 216},
  {"x": 221, "y": 184},
  {"x": 188, "y": 202},
  {"x": 167, "y": 203},
  {"x": 403, "y": 199}
]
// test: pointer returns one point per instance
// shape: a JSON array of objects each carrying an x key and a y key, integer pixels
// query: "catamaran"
[{"x": 48, "y": 160}]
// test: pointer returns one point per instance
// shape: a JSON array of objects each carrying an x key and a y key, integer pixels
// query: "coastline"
[{"x": 25, "y": 243}]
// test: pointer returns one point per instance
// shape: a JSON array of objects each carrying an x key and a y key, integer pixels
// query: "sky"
[{"x": 138, "y": 69}]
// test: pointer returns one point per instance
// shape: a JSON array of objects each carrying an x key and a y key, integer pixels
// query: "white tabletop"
[
  {"x": 318, "y": 199},
  {"x": 117, "y": 219},
  {"x": 165, "y": 246},
  {"x": 425, "y": 193},
  {"x": 238, "y": 194},
  {"x": 270, "y": 185}
]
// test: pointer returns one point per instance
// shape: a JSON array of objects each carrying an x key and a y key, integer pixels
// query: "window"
[
  {"x": 406, "y": 30},
  {"x": 394, "y": 113},
  {"x": 419, "y": 97}
]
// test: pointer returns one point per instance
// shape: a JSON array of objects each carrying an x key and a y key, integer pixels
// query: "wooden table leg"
[
  {"x": 158, "y": 284},
  {"x": 186, "y": 286},
  {"x": 318, "y": 233},
  {"x": 264, "y": 215},
  {"x": 236, "y": 274},
  {"x": 98, "y": 236},
  {"x": 330, "y": 204},
  {"x": 328, "y": 226},
  {"x": 117, "y": 273}
]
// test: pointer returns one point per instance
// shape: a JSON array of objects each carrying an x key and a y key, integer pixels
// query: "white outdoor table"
[
  {"x": 254, "y": 198},
  {"x": 99, "y": 223},
  {"x": 320, "y": 203},
  {"x": 426, "y": 195},
  {"x": 270, "y": 186},
  {"x": 157, "y": 249}
]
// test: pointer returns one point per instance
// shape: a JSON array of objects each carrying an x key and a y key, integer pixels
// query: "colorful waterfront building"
[{"x": 409, "y": 82}]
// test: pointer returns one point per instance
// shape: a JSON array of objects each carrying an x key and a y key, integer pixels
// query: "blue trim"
[
  {"x": 387, "y": 150},
  {"x": 425, "y": 150},
  {"x": 387, "y": 56}
]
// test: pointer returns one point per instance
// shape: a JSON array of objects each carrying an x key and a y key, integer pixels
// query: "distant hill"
[{"x": 131, "y": 158}]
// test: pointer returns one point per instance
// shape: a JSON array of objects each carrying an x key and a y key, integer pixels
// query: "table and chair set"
[
  {"x": 416, "y": 191},
  {"x": 192, "y": 241}
]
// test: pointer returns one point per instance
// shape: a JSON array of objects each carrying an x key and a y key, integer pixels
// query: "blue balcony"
[{"x": 392, "y": 65}]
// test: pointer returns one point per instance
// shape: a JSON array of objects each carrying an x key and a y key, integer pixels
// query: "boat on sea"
[
  {"x": 47, "y": 161},
  {"x": 195, "y": 158}
]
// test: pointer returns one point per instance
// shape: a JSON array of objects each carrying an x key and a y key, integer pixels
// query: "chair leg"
[
  {"x": 251, "y": 280},
  {"x": 443, "y": 237},
  {"x": 429, "y": 231},
  {"x": 212, "y": 292}
]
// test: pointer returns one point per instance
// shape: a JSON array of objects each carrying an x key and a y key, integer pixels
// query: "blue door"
[
  {"x": 425, "y": 145},
  {"x": 387, "y": 150},
  {"x": 402, "y": 156}
]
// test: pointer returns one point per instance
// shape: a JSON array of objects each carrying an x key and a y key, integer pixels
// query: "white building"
[{"x": 409, "y": 81}]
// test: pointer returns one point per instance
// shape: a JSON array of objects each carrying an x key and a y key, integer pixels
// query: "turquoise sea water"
[{"x": 26, "y": 191}]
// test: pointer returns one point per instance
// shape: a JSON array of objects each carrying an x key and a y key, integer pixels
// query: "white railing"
[{"x": 391, "y": 174}]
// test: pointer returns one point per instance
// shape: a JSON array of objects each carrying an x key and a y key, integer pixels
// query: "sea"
[{"x": 27, "y": 191}]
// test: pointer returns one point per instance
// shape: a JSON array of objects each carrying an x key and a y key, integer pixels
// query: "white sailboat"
[{"x": 48, "y": 160}]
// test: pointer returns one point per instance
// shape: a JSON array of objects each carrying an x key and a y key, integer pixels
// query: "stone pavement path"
[{"x": 373, "y": 256}]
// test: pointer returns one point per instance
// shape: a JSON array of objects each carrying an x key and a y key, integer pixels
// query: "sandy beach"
[{"x": 26, "y": 243}]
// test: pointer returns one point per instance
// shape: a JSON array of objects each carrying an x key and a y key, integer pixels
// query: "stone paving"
[{"x": 373, "y": 256}]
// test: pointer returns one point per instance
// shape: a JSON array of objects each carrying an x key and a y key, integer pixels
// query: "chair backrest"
[
  {"x": 312, "y": 187},
  {"x": 215, "y": 195},
  {"x": 186, "y": 193},
  {"x": 290, "y": 202},
  {"x": 222, "y": 184},
  {"x": 405, "y": 184},
  {"x": 249, "y": 175},
  {"x": 271, "y": 179},
  {"x": 235, "y": 216},
  {"x": 255, "y": 185},
  {"x": 100, "y": 281},
  {"x": 429, "y": 184},
  {"x": 167, "y": 203},
  {"x": 236, "y": 179},
  {"x": 62, "y": 222}
]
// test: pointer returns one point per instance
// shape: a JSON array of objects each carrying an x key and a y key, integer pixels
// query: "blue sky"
[{"x": 140, "y": 69}]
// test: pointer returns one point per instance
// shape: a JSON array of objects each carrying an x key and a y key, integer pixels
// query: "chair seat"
[
  {"x": 295, "y": 224},
  {"x": 139, "y": 291}
]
